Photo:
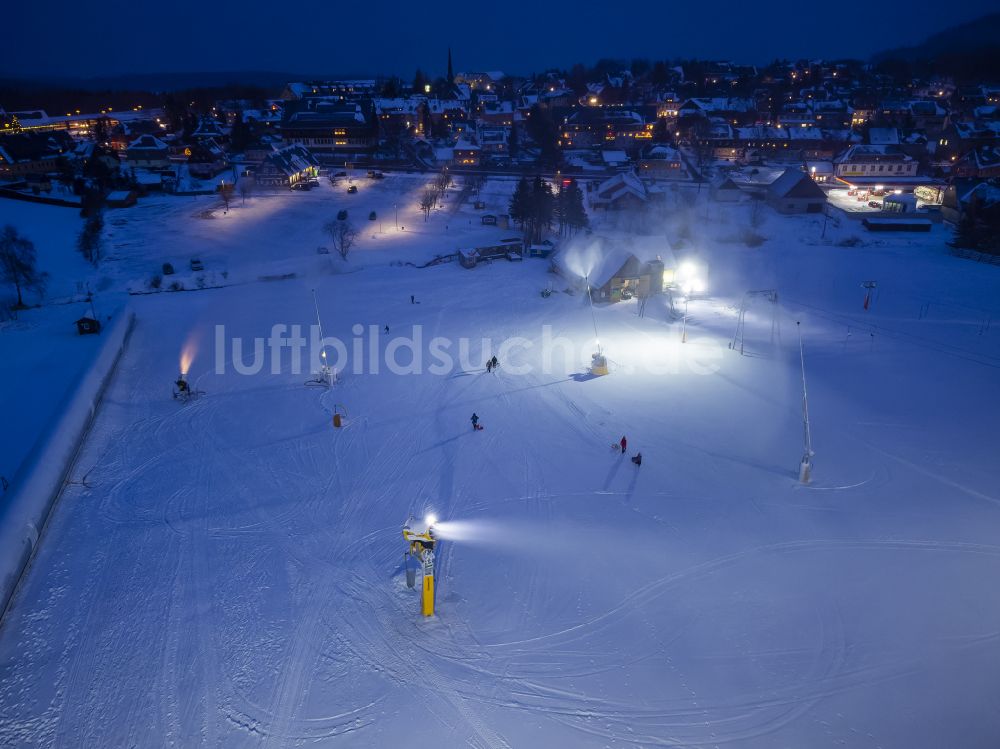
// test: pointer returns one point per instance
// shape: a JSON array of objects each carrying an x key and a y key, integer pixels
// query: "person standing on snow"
[
  {"x": 475, "y": 422},
  {"x": 637, "y": 459},
  {"x": 489, "y": 365},
  {"x": 411, "y": 299},
  {"x": 623, "y": 443},
  {"x": 495, "y": 363}
]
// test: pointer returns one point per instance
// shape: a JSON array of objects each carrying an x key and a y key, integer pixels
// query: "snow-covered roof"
[
  {"x": 291, "y": 160},
  {"x": 794, "y": 183},
  {"x": 883, "y": 136},
  {"x": 597, "y": 259},
  {"x": 147, "y": 143},
  {"x": 872, "y": 153},
  {"x": 620, "y": 185},
  {"x": 663, "y": 153}
]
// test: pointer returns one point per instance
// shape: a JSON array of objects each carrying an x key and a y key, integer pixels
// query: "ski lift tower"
[
  {"x": 769, "y": 296},
  {"x": 420, "y": 534}
]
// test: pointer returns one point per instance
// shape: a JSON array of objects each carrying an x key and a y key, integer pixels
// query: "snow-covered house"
[
  {"x": 875, "y": 162},
  {"x": 614, "y": 158},
  {"x": 286, "y": 167},
  {"x": 206, "y": 160},
  {"x": 149, "y": 152},
  {"x": 615, "y": 268},
  {"x": 466, "y": 153},
  {"x": 663, "y": 162},
  {"x": 795, "y": 192},
  {"x": 726, "y": 191},
  {"x": 621, "y": 192},
  {"x": 33, "y": 153},
  {"x": 328, "y": 126},
  {"x": 982, "y": 162},
  {"x": 208, "y": 129}
]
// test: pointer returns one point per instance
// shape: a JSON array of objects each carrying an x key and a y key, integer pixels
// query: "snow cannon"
[
  {"x": 420, "y": 535},
  {"x": 182, "y": 390},
  {"x": 598, "y": 364}
]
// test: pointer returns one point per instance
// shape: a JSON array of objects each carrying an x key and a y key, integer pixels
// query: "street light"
[{"x": 395, "y": 208}]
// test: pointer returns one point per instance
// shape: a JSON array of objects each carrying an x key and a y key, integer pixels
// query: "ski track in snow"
[{"x": 231, "y": 573}]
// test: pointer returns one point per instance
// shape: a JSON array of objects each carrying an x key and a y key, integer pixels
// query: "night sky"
[{"x": 62, "y": 38}]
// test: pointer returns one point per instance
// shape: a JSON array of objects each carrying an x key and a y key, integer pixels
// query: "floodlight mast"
[
  {"x": 325, "y": 372},
  {"x": 598, "y": 361},
  {"x": 805, "y": 467},
  {"x": 593, "y": 313}
]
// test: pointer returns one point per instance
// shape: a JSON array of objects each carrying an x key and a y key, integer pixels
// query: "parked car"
[
  {"x": 352, "y": 189},
  {"x": 372, "y": 174},
  {"x": 372, "y": 216},
  {"x": 340, "y": 174},
  {"x": 168, "y": 269},
  {"x": 342, "y": 215},
  {"x": 874, "y": 204},
  {"x": 196, "y": 264}
]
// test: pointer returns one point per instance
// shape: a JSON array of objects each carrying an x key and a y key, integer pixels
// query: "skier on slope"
[
  {"x": 475, "y": 422},
  {"x": 495, "y": 363},
  {"x": 623, "y": 444}
]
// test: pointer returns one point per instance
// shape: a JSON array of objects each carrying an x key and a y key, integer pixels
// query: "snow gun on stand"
[
  {"x": 420, "y": 535},
  {"x": 183, "y": 390}
]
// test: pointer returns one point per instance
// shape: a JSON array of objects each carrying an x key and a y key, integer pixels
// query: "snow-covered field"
[{"x": 233, "y": 576}]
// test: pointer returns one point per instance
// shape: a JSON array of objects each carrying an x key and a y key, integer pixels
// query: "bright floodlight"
[
  {"x": 690, "y": 278},
  {"x": 431, "y": 519}
]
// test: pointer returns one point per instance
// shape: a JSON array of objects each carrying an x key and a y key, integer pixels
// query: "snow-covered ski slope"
[{"x": 234, "y": 574}]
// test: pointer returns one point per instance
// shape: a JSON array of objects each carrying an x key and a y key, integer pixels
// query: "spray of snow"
[
  {"x": 188, "y": 352},
  {"x": 522, "y": 538},
  {"x": 582, "y": 255}
]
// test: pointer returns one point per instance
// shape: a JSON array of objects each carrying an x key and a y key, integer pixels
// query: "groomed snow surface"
[{"x": 233, "y": 575}]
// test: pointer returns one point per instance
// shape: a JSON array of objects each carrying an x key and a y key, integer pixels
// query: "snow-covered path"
[{"x": 233, "y": 577}]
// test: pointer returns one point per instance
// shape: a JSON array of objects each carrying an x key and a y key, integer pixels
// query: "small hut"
[{"x": 88, "y": 326}]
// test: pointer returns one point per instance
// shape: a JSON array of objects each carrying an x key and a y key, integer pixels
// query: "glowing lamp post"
[{"x": 690, "y": 279}]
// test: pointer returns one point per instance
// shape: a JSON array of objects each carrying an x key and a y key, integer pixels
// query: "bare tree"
[
  {"x": 342, "y": 235},
  {"x": 427, "y": 202},
  {"x": 226, "y": 194},
  {"x": 246, "y": 189},
  {"x": 18, "y": 263},
  {"x": 90, "y": 241},
  {"x": 477, "y": 181},
  {"x": 441, "y": 184}
]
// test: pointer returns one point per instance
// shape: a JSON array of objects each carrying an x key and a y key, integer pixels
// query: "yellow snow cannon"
[{"x": 420, "y": 534}]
